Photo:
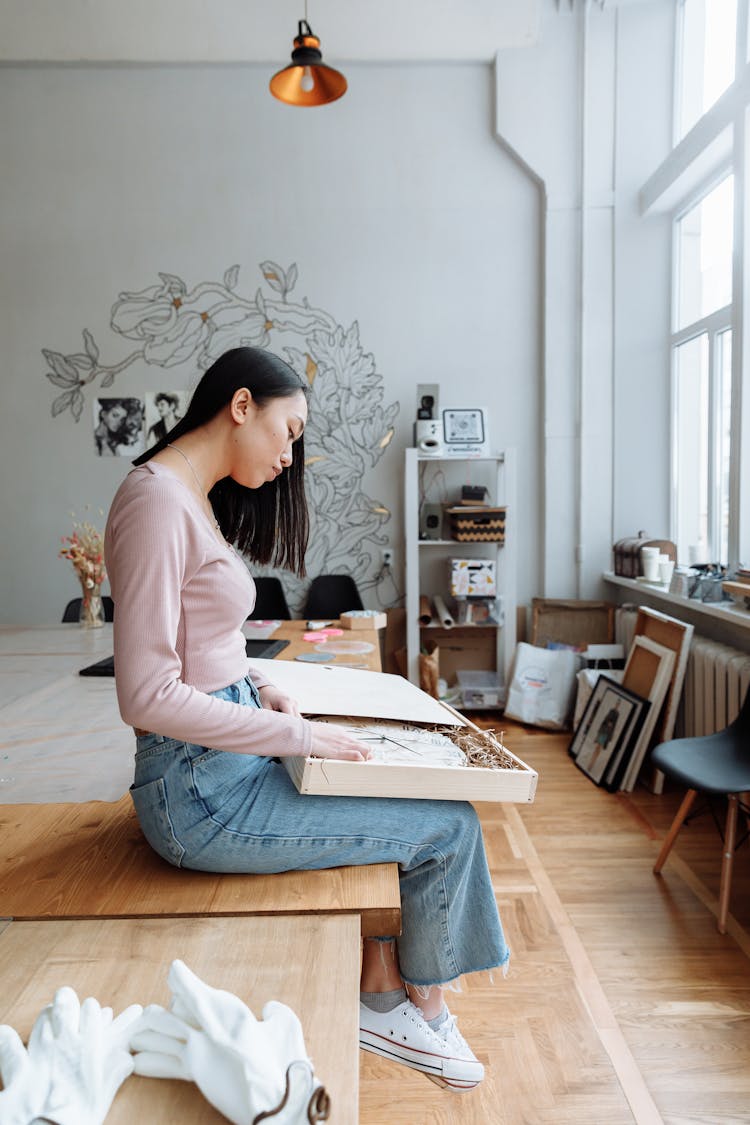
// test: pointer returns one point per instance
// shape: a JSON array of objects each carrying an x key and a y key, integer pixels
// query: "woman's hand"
[
  {"x": 330, "y": 741},
  {"x": 274, "y": 699}
]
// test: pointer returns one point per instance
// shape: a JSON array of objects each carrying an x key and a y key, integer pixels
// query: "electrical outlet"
[{"x": 387, "y": 557}]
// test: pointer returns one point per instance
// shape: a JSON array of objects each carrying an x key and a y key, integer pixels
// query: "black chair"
[
  {"x": 270, "y": 603},
  {"x": 330, "y": 595},
  {"x": 717, "y": 765},
  {"x": 73, "y": 609}
]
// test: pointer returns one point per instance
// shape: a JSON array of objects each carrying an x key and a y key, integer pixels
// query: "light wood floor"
[{"x": 623, "y": 1002}]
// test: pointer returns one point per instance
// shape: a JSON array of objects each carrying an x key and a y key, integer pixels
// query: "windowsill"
[{"x": 719, "y": 611}]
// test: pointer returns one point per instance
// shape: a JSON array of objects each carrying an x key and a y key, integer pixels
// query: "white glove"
[
  {"x": 22, "y": 1096},
  {"x": 76, "y": 1061},
  {"x": 243, "y": 1066}
]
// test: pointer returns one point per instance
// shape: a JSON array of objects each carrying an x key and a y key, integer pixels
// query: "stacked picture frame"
[
  {"x": 604, "y": 739},
  {"x": 613, "y": 737}
]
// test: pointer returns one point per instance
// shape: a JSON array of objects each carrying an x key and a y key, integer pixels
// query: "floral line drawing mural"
[{"x": 349, "y": 428}]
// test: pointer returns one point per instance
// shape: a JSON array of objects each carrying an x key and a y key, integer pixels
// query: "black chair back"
[
  {"x": 330, "y": 595},
  {"x": 270, "y": 602}
]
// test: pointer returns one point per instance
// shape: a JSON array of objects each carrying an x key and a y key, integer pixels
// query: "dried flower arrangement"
[{"x": 85, "y": 549}]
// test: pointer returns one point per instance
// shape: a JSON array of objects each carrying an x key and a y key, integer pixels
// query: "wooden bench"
[
  {"x": 310, "y": 963},
  {"x": 92, "y": 861}
]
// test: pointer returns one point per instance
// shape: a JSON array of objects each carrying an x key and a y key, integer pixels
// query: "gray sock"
[
  {"x": 383, "y": 1001},
  {"x": 439, "y": 1019}
]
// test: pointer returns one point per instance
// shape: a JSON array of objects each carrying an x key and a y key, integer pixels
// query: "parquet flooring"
[{"x": 623, "y": 1003}]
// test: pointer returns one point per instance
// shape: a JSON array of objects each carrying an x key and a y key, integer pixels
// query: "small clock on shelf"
[{"x": 465, "y": 431}]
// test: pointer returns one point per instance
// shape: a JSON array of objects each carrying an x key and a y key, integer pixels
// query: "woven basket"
[{"x": 477, "y": 525}]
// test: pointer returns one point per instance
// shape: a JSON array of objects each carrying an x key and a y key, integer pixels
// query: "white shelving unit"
[{"x": 427, "y": 560}]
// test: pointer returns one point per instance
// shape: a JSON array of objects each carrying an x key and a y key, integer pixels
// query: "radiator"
[{"x": 717, "y": 678}]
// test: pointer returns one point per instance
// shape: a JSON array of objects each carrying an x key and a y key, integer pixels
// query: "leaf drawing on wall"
[{"x": 349, "y": 429}]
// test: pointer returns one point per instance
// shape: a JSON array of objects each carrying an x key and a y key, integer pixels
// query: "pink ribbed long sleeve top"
[{"x": 181, "y": 598}]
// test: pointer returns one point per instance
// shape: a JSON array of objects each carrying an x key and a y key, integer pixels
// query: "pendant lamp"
[{"x": 308, "y": 81}]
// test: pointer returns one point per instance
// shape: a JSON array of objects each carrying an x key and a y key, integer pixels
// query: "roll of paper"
[
  {"x": 441, "y": 609},
  {"x": 425, "y": 611}
]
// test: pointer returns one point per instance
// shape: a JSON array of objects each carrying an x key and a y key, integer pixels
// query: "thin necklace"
[{"x": 197, "y": 481}]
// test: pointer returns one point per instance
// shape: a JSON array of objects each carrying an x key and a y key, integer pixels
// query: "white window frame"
[
  {"x": 718, "y": 142},
  {"x": 712, "y": 326}
]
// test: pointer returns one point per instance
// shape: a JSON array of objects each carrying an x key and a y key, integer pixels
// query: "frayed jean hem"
[{"x": 446, "y": 984}]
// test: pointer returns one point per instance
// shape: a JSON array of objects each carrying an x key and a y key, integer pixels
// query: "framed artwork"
[
  {"x": 648, "y": 672},
  {"x": 677, "y": 636},
  {"x": 164, "y": 409},
  {"x": 465, "y": 431},
  {"x": 605, "y": 737},
  {"x": 118, "y": 427}
]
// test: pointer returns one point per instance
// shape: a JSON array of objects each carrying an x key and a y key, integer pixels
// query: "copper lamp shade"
[{"x": 308, "y": 81}]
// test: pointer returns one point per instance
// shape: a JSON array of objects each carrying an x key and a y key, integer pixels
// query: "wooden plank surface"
[
  {"x": 91, "y": 860},
  {"x": 311, "y": 964},
  {"x": 61, "y": 735},
  {"x": 81, "y": 646},
  {"x": 620, "y": 989},
  {"x": 293, "y": 631}
]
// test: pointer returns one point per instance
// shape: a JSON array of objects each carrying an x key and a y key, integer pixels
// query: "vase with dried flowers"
[{"x": 85, "y": 549}]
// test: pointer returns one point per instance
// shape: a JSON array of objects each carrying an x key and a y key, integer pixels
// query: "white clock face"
[{"x": 463, "y": 426}]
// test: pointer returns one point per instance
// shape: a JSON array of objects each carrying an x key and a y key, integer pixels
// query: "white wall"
[
  {"x": 588, "y": 113},
  {"x": 397, "y": 205},
  {"x": 254, "y": 31},
  {"x": 480, "y": 226},
  {"x": 642, "y": 274}
]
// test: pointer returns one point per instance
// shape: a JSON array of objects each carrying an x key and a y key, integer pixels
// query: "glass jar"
[{"x": 91, "y": 615}]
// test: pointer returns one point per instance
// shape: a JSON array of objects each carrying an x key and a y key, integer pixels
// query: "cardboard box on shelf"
[
  {"x": 477, "y": 525},
  {"x": 473, "y": 578},
  {"x": 363, "y": 619}
]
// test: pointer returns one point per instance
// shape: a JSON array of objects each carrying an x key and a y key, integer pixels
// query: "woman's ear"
[{"x": 241, "y": 405}]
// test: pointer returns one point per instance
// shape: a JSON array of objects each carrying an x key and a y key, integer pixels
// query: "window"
[
  {"x": 702, "y": 377},
  {"x": 704, "y": 253},
  {"x": 704, "y": 183},
  {"x": 691, "y": 446},
  {"x": 702, "y": 446},
  {"x": 707, "y": 57}
]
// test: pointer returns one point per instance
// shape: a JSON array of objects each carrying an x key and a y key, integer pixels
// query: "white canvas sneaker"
[{"x": 405, "y": 1036}]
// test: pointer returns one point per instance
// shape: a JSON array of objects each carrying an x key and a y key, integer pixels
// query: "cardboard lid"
[{"x": 327, "y": 690}]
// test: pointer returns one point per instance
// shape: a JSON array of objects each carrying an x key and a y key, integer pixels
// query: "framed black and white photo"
[
  {"x": 607, "y": 733},
  {"x": 118, "y": 427},
  {"x": 164, "y": 409},
  {"x": 465, "y": 431}
]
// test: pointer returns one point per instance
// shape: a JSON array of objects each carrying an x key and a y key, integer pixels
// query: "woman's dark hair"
[{"x": 270, "y": 523}]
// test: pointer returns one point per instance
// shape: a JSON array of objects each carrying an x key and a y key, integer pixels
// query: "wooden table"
[
  {"x": 91, "y": 860},
  {"x": 293, "y": 631},
  {"x": 311, "y": 964},
  {"x": 61, "y": 736},
  {"x": 107, "y": 916}
]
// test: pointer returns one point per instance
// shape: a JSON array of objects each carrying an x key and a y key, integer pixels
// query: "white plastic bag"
[{"x": 543, "y": 686}]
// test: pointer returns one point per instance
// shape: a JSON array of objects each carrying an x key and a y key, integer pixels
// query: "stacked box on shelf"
[
  {"x": 477, "y": 525},
  {"x": 473, "y": 578}
]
